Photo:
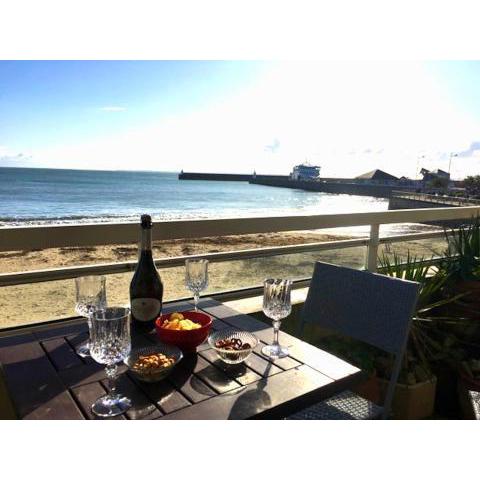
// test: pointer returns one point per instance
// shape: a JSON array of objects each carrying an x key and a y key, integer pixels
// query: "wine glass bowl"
[
  {"x": 110, "y": 343},
  {"x": 90, "y": 294},
  {"x": 276, "y": 306},
  {"x": 196, "y": 277}
]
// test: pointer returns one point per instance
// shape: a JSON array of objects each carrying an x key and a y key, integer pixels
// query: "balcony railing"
[
  {"x": 440, "y": 199},
  {"x": 41, "y": 237}
]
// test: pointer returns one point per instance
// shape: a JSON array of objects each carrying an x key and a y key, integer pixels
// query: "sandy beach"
[
  {"x": 32, "y": 303},
  {"x": 50, "y": 196}
]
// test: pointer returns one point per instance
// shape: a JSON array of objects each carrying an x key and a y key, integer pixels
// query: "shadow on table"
[
  {"x": 182, "y": 375},
  {"x": 31, "y": 380},
  {"x": 253, "y": 400}
]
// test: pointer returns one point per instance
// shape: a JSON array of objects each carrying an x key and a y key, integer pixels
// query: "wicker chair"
[{"x": 369, "y": 307}]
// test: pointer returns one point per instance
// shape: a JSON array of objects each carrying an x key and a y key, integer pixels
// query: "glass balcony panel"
[{"x": 39, "y": 302}]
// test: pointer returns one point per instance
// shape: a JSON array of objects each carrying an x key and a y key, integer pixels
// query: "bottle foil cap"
[{"x": 146, "y": 221}]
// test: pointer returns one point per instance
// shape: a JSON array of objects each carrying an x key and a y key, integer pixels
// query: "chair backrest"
[
  {"x": 373, "y": 308},
  {"x": 369, "y": 307}
]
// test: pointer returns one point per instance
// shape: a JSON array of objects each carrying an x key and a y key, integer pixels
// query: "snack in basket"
[
  {"x": 148, "y": 364},
  {"x": 177, "y": 321}
]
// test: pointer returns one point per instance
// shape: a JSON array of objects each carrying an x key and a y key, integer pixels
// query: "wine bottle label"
[{"x": 145, "y": 309}]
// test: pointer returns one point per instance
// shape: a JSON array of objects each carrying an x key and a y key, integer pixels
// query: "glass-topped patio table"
[{"x": 46, "y": 379}]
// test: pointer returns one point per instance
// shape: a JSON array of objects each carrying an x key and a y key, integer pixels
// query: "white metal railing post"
[{"x": 372, "y": 250}]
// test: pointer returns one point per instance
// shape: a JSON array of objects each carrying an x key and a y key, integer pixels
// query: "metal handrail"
[
  {"x": 63, "y": 273},
  {"x": 39, "y": 237},
  {"x": 441, "y": 199},
  {"x": 79, "y": 235}
]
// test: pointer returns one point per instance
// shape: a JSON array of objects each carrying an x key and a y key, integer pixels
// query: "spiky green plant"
[
  {"x": 432, "y": 279},
  {"x": 462, "y": 256},
  {"x": 427, "y": 342}
]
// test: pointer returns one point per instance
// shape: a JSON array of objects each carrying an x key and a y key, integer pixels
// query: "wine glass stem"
[
  {"x": 111, "y": 371},
  {"x": 196, "y": 298},
  {"x": 276, "y": 329},
  {"x": 89, "y": 323}
]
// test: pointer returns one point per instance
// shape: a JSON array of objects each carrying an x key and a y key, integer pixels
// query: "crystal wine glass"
[
  {"x": 110, "y": 343},
  {"x": 90, "y": 294},
  {"x": 276, "y": 305},
  {"x": 196, "y": 277}
]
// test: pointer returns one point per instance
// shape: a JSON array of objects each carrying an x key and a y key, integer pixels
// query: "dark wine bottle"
[{"x": 146, "y": 287}]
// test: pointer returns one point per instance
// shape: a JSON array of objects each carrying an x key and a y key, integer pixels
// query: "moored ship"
[{"x": 305, "y": 171}]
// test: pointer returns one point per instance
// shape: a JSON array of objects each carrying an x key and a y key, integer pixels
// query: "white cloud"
[
  {"x": 112, "y": 108},
  {"x": 472, "y": 150},
  {"x": 15, "y": 160},
  {"x": 4, "y": 150},
  {"x": 275, "y": 145}
]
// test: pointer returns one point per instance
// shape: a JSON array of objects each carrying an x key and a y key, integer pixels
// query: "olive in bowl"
[{"x": 232, "y": 346}]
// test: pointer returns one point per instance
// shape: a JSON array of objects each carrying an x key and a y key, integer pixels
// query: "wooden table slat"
[
  {"x": 87, "y": 394},
  {"x": 322, "y": 361},
  {"x": 218, "y": 324},
  {"x": 76, "y": 339},
  {"x": 227, "y": 314},
  {"x": 285, "y": 363},
  {"x": 61, "y": 353},
  {"x": 240, "y": 372},
  {"x": 142, "y": 407},
  {"x": 83, "y": 374},
  {"x": 211, "y": 375},
  {"x": 33, "y": 384},
  {"x": 261, "y": 366},
  {"x": 274, "y": 398},
  {"x": 164, "y": 395},
  {"x": 71, "y": 328},
  {"x": 181, "y": 306},
  {"x": 192, "y": 387}
]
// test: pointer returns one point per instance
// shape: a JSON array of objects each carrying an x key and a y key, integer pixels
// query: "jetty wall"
[
  {"x": 400, "y": 203},
  {"x": 220, "y": 177},
  {"x": 381, "y": 191},
  {"x": 229, "y": 177}
]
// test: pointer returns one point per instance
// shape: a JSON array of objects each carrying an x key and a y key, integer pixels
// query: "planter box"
[
  {"x": 469, "y": 396},
  {"x": 469, "y": 402},
  {"x": 413, "y": 402}
]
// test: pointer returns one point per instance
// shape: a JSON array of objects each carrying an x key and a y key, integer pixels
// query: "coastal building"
[
  {"x": 434, "y": 176},
  {"x": 405, "y": 181},
  {"x": 409, "y": 182},
  {"x": 305, "y": 171},
  {"x": 376, "y": 177}
]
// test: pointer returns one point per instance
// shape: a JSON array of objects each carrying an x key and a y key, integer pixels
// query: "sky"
[{"x": 240, "y": 116}]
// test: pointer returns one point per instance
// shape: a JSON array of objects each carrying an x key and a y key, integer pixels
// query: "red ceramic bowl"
[{"x": 187, "y": 340}]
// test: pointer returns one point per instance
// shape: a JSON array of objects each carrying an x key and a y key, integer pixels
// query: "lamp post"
[
  {"x": 450, "y": 162},
  {"x": 417, "y": 170}
]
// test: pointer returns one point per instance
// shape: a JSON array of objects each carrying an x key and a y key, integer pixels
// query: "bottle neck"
[{"x": 146, "y": 243}]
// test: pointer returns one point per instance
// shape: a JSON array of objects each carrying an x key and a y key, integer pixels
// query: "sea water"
[{"x": 33, "y": 196}]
